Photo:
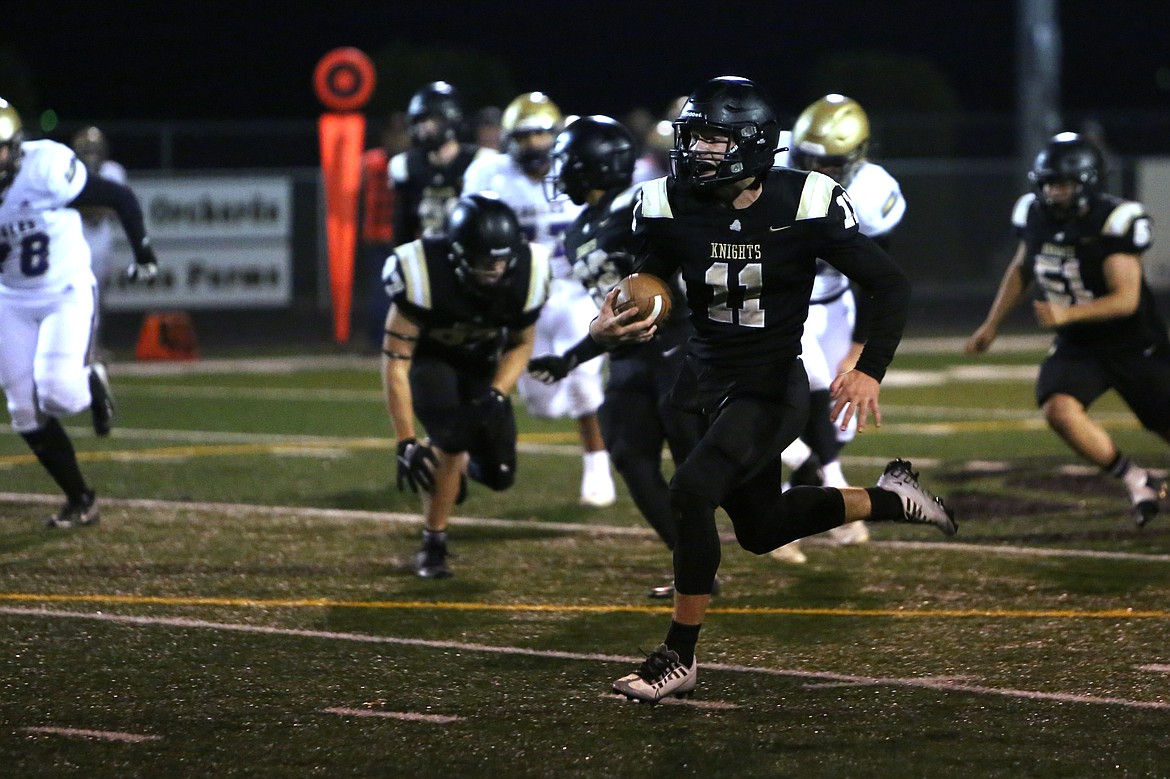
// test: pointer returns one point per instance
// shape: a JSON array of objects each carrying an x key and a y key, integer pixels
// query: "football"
[{"x": 649, "y": 294}]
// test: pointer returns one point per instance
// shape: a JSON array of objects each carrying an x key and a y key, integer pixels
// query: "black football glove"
[
  {"x": 416, "y": 465},
  {"x": 145, "y": 266},
  {"x": 551, "y": 368}
]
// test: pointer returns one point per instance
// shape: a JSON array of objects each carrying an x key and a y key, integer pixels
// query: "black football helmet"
[
  {"x": 11, "y": 136},
  {"x": 594, "y": 152},
  {"x": 483, "y": 230},
  {"x": 731, "y": 106},
  {"x": 438, "y": 101},
  {"x": 1067, "y": 158}
]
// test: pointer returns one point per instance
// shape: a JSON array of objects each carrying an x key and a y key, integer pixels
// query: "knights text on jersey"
[
  {"x": 461, "y": 326},
  {"x": 42, "y": 246},
  {"x": 1067, "y": 262},
  {"x": 748, "y": 272}
]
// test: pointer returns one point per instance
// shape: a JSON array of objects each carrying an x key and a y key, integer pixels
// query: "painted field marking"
[
  {"x": 925, "y": 682},
  {"x": 571, "y": 608},
  {"x": 438, "y": 719},
  {"x": 104, "y": 735},
  {"x": 1155, "y": 667}
]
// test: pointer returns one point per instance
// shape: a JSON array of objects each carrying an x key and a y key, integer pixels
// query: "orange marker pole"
[{"x": 344, "y": 81}]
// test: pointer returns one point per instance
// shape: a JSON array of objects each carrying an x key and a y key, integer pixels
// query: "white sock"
[
  {"x": 596, "y": 463},
  {"x": 794, "y": 456},
  {"x": 833, "y": 475}
]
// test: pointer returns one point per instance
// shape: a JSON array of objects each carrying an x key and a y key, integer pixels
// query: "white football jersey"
[
  {"x": 543, "y": 222},
  {"x": 41, "y": 243},
  {"x": 879, "y": 206}
]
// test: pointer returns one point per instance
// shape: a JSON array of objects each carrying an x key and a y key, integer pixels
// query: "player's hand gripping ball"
[{"x": 648, "y": 294}]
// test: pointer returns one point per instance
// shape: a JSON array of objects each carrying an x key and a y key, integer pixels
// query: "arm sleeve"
[
  {"x": 110, "y": 194},
  {"x": 888, "y": 292}
]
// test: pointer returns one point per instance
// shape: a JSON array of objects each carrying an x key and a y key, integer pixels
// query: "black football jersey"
[
  {"x": 425, "y": 193},
  {"x": 1067, "y": 262},
  {"x": 749, "y": 272},
  {"x": 464, "y": 326}
]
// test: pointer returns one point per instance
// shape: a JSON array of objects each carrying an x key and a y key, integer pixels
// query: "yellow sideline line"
[{"x": 570, "y": 607}]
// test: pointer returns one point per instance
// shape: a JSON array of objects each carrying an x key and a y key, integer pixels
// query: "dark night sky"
[{"x": 246, "y": 59}]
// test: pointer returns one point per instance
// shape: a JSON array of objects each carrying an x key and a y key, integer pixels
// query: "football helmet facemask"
[
  {"x": 11, "y": 136},
  {"x": 732, "y": 107},
  {"x": 438, "y": 102},
  {"x": 530, "y": 114},
  {"x": 831, "y": 136},
  {"x": 594, "y": 152},
  {"x": 1067, "y": 158},
  {"x": 485, "y": 240}
]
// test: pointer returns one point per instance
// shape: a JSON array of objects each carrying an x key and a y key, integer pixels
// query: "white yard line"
[
  {"x": 103, "y": 735},
  {"x": 934, "y": 683},
  {"x": 410, "y": 716}
]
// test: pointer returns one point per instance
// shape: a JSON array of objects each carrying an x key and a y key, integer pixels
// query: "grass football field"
[{"x": 247, "y": 605}]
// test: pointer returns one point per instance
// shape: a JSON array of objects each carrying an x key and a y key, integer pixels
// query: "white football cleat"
[
  {"x": 850, "y": 534},
  {"x": 789, "y": 553},
  {"x": 1145, "y": 497},
  {"x": 659, "y": 676},
  {"x": 918, "y": 505},
  {"x": 597, "y": 490}
]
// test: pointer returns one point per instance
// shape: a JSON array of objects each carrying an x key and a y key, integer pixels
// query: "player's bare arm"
[
  {"x": 1123, "y": 275},
  {"x": 398, "y": 344},
  {"x": 1011, "y": 290},
  {"x": 514, "y": 359}
]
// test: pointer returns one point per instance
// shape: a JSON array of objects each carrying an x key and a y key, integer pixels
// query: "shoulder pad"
[
  {"x": 816, "y": 197},
  {"x": 655, "y": 204},
  {"x": 1021, "y": 208},
  {"x": 1121, "y": 219},
  {"x": 414, "y": 278},
  {"x": 539, "y": 278}
]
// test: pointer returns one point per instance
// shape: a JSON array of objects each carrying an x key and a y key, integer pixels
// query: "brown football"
[{"x": 649, "y": 294}]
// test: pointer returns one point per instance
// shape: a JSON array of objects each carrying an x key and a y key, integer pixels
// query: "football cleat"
[
  {"x": 430, "y": 562},
  {"x": 77, "y": 513},
  {"x": 598, "y": 490},
  {"x": 918, "y": 505},
  {"x": 101, "y": 405},
  {"x": 789, "y": 553},
  {"x": 850, "y": 534},
  {"x": 659, "y": 676},
  {"x": 808, "y": 474},
  {"x": 1145, "y": 498}
]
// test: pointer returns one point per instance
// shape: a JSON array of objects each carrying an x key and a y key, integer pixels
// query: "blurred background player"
[
  {"x": 458, "y": 334},
  {"x": 377, "y": 220},
  {"x": 98, "y": 224},
  {"x": 593, "y": 165},
  {"x": 48, "y": 301},
  {"x": 1081, "y": 248},
  {"x": 428, "y": 177},
  {"x": 831, "y": 136},
  {"x": 530, "y": 124}
]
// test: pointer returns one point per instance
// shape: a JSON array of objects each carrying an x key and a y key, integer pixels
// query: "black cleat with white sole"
[
  {"x": 102, "y": 399},
  {"x": 79, "y": 512}
]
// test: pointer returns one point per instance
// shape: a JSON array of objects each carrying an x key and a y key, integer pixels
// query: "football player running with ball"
[
  {"x": 746, "y": 238},
  {"x": 48, "y": 301},
  {"x": 458, "y": 335},
  {"x": 1081, "y": 248},
  {"x": 593, "y": 165}
]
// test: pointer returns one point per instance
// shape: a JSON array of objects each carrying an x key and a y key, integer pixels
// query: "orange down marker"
[{"x": 343, "y": 81}]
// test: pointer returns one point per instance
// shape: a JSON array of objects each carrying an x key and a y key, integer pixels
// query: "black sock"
[
  {"x": 54, "y": 450},
  {"x": 434, "y": 537},
  {"x": 682, "y": 639},
  {"x": 886, "y": 506}
]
